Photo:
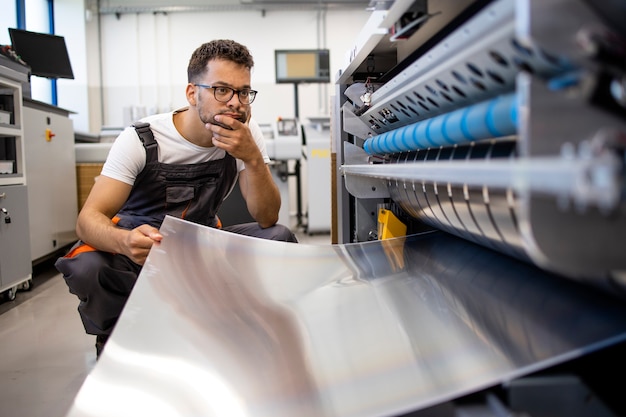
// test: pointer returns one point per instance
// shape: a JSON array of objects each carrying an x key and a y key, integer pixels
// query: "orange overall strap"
[{"x": 80, "y": 249}]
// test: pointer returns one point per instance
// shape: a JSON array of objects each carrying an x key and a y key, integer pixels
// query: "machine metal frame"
[{"x": 551, "y": 192}]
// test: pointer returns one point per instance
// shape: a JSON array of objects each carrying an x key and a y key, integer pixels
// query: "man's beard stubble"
[{"x": 211, "y": 119}]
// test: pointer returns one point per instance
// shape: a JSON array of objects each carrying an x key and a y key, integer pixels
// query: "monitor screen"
[
  {"x": 45, "y": 54},
  {"x": 306, "y": 66}
]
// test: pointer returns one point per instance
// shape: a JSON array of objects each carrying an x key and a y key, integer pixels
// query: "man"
[{"x": 183, "y": 164}]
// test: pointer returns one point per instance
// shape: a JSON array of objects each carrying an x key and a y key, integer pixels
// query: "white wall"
[
  {"x": 140, "y": 60},
  {"x": 144, "y": 57}
]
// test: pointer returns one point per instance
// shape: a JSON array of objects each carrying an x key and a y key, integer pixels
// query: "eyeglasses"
[{"x": 224, "y": 94}]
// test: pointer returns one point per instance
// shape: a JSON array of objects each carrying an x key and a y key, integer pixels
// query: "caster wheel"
[
  {"x": 27, "y": 285},
  {"x": 9, "y": 294}
]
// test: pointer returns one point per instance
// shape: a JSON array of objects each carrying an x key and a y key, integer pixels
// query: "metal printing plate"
[{"x": 226, "y": 325}]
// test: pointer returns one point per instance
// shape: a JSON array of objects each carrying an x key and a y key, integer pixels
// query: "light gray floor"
[{"x": 45, "y": 354}]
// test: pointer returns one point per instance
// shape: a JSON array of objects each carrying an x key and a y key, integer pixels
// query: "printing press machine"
[
  {"x": 501, "y": 123},
  {"x": 477, "y": 268}
]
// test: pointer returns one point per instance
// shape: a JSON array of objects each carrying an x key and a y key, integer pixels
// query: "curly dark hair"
[{"x": 221, "y": 49}]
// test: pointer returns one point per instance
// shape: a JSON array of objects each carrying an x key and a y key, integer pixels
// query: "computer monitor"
[
  {"x": 45, "y": 54},
  {"x": 302, "y": 66}
]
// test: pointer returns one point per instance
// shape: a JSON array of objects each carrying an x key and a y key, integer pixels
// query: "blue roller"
[{"x": 488, "y": 119}]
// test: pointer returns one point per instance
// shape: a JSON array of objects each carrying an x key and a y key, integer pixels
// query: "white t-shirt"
[{"x": 127, "y": 156}]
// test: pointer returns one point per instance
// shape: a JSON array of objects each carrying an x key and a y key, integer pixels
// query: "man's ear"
[{"x": 190, "y": 92}]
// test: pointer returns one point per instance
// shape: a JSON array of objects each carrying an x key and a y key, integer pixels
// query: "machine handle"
[{"x": 7, "y": 217}]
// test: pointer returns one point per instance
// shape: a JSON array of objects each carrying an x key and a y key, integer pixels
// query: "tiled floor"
[{"x": 45, "y": 354}]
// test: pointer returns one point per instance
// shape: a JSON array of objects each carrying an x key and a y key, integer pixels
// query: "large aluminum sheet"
[{"x": 226, "y": 325}]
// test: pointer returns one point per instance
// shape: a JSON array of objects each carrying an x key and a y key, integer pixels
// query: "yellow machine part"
[{"x": 389, "y": 226}]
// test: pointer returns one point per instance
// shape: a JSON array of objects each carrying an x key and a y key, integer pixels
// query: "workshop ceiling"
[{"x": 146, "y": 6}]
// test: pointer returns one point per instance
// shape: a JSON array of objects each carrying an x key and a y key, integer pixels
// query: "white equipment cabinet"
[
  {"x": 318, "y": 181},
  {"x": 51, "y": 170},
  {"x": 15, "y": 265}
]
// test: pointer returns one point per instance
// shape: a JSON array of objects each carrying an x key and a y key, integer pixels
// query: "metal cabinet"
[
  {"x": 51, "y": 178},
  {"x": 15, "y": 265}
]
